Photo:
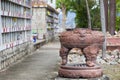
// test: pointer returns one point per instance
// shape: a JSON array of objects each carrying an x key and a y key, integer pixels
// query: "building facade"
[
  {"x": 44, "y": 20},
  {"x": 52, "y": 3},
  {"x": 15, "y": 31}
]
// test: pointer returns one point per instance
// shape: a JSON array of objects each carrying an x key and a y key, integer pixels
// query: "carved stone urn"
[{"x": 89, "y": 42}]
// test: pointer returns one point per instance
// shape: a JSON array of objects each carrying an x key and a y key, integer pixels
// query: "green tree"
[
  {"x": 112, "y": 16},
  {"x": 84, "y": 12},
  {"x": 103, "y": 24},
  {"x": 95, "y": 16},
  {"x": 106, "y": 14},
  {"x": 83, "y": 9},
  {"x": 118, "y": 13},
  {"x": 88, "y": 14},
  {"x": 65, "y": 6}
]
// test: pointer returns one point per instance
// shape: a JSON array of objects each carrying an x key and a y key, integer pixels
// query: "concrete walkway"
[{"x": 42, "y": 65}]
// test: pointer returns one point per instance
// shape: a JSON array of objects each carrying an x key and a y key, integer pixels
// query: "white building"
[
  {"x": 52, "y": 3},
  {"x": 45, "y": 19},
  {"x": 15, "y": 30}
]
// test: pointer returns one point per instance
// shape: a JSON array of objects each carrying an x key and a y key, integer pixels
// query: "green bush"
[{"x": 117, "y": 23}]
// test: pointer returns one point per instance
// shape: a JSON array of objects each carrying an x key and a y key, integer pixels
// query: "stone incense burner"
[{"x": 89, "y": 42}]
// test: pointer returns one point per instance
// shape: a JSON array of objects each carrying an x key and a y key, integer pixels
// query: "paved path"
[{"x": 42, "y": 65}]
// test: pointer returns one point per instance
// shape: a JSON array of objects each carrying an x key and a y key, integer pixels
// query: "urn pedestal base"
[
  {"x": 79, "y": 71},
  {"x": 104, "y": 77}
]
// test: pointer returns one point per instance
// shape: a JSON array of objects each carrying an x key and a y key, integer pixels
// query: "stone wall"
[{"x": 12, "y": 55}]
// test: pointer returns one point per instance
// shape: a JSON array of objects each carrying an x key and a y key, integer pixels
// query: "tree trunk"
[
  {"x": 63, "y": 18},
  {"x": 88, "y": 13},
  {"x": 106, "y": 14},
  {"x": 102, "y": 11},
  {"x": 112, "y": 16}
]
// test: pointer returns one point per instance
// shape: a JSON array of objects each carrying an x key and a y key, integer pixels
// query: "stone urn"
[{"x": 89, "y": 42}]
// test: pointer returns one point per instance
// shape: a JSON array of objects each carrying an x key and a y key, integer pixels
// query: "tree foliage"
[
  {"x": 95, "y": 14},
  {"x": 81, "y": 13},
  {"x": 79, "y": 7},
  {"x": 118, "y": 15},
  {"x": 118, "y": 5},
  {"x": 64, "y": 5}
]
